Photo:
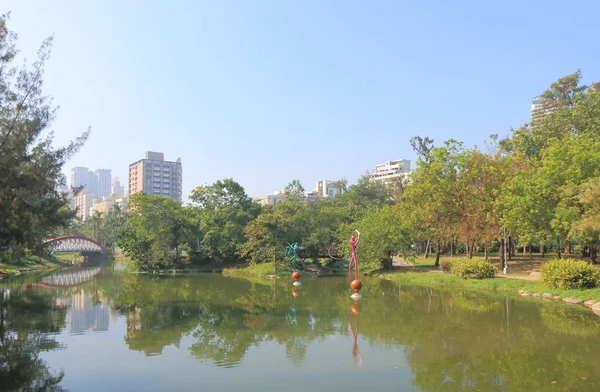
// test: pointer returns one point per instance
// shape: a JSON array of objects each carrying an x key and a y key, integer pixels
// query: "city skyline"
[{"x": 253, "y": 91}]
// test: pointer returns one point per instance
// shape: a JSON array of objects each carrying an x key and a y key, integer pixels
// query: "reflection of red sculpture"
[
  {"x": 295, "y": 292},
  {"x": 356, "y": 309},
  {"x": 296, "y": 275}
]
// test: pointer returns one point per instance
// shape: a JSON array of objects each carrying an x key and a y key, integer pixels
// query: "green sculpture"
[{"x": 291, "y": 251}]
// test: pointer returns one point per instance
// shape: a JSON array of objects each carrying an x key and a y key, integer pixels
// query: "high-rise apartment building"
[
  {"x": 387, "y": 171},
  {"x": 80, "y": 177},
  {"x": 103, "y": 182},
  {"x": 155, "y": 176},
  {"x": 540, "y": 107}
]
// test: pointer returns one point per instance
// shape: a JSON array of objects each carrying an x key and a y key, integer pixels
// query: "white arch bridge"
[{"x": 71, "y": 244}]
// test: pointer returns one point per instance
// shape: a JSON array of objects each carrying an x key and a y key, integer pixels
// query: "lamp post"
[{"x": 505, "y": 269}]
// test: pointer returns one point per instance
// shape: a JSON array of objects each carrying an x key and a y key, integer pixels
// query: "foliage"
[
  {"x": 446, "y": 265},
  {"x": 221, "y": 212},
  {"x": 155, "y": 232},
  {"x": 473, "y": 269},
  {"x": 570, "y": 274},
  {"x": 383, "y": 235},
  {"x": 30, "y": 205},
  {"x": 294, "y": 191}
]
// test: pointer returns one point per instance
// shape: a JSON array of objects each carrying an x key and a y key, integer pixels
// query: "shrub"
[
  {"x": 445, "y": 266},
  {"x": 473, "y": 269},
  {"x": 570, "y": 274}
]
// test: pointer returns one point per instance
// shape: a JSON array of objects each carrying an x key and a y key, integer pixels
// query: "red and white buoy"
[
  {"x": 356, "y": 285},
  {"x": 296, "y": 277}
]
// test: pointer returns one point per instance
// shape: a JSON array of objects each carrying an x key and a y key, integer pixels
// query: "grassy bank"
[
  {"x": 36, "y": 263},
  {"x": 263, "y": 270},
  {"x": 496, "y": 284}
]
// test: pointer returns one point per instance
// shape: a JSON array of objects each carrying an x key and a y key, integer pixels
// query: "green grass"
[
  {"x": 496, "y": 284},
  {"x": 263, "y": 270}
]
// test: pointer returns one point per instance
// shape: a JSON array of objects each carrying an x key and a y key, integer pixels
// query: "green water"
[{"x": 125, "y": 332}]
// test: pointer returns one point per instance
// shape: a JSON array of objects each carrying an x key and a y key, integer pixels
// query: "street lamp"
[{"x": 505, "y": 269}]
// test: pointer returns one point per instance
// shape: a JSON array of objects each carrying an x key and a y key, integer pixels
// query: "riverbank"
[
  {"x": 428, "y": 277},
  {"x": 267, "y": 270},
  {"x": 532, "y": 288},
  {"x": 35, "y": 264}
]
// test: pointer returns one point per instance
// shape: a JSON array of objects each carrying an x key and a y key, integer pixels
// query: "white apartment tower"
[{"x": 387, "y": 171}]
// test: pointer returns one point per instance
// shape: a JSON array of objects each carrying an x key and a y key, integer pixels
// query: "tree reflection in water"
[{"x": 26, "y": 321}]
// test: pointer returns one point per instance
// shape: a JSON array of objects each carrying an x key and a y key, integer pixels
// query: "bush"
[
  {"x": 570, "y": 274},
  {"x": 445, "y": 266},
  {"x": 473, "y": 269}
]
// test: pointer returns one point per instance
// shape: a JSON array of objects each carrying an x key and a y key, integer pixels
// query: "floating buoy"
[
  {"x": 297, "y": 283},
  {"x": 356, "y": 285},
  {"x": 296, "y": 275}
]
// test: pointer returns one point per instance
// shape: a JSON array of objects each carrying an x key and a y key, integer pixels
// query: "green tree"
[
  {"x": 222, "y": 211},
  {"x": 30, "y": 206},
  {"x": 433, "y": 198},
  {"x": 294, "y": 191},
  {"x": 155, "y": 232},
  {"x": 384, "y": 234}
]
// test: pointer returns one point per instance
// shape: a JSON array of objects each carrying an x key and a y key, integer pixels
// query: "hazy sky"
[{"x": 267, "y": 91}]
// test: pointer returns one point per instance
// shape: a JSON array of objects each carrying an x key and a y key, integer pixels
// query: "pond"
[{"x": 110, "y": 331}]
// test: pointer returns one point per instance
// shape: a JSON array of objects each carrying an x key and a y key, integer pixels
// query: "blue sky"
[{"x": 267, "y": 91}]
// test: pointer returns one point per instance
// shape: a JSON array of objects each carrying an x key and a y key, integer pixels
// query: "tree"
[
  {"x": 588, "y": 226},
  {"x": 433, "y": 199},
  {"x": 384, "y": 234},
  {"x": 155, "y": 232},
  {"x": 222, "y": 211},
  {"x": 294, "y": 190},
  {"x": 554, "y": 120},
  {"x": 30, "y": 205}
]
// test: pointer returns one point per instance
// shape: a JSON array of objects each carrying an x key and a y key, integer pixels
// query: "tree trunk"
[
  {"x": 530, "y": 253},
  {"x": 502, "y": 251},
  {"x": 558, "y": 249},
  {"x": 437, "y": 255},
  {"x": 511, "y": 248},
  {"x": 485, "y": 251},
  {"x": 525, "y": 249},
  {"x": 427, "y": 248},
  {"x": 472, "y": 250},
  {"x": 593, "y": 254}
]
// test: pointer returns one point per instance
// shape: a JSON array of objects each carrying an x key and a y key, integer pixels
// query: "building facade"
[
  {"x": 328, "y": 188},
  {"x": 390, "y": 170},
  {"x": 117, "y": 188},
  {"x": 271, "y": 200},
  {"x": 80, "y": 177},
  {"x": 83, "y": 203},
  {"x": 540, "y": 107},
  {"x": 157, "y": 177},
  {"x": 103, "y": 182}
]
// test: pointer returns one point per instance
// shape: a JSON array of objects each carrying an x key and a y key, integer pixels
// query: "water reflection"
[
  {"x": 354, "y": 321},
  {"x": 450, "y": 340}
]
